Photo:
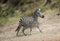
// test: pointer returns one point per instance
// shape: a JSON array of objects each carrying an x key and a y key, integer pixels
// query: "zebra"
[{"x": 29, "y": 22}]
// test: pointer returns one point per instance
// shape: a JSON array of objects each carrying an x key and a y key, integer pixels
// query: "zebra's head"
[{"x": 39, "y": 13}]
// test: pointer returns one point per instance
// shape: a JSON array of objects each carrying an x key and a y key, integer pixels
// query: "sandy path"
[{"x": 50, "y": 28}]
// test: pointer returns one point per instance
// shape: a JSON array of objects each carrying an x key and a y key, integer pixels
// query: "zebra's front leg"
[
  {"x": 30, "y": 30},
  {"x": 39, "y": 28}
]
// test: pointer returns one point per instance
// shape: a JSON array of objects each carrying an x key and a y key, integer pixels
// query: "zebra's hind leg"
[
  {"x": 17, "y": 33},
  {"x": 18, "y": 29},
  {"x": 23, "y": 31}
]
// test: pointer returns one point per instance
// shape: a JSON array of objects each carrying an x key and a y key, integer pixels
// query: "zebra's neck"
[{"x": 35, "y": 17}]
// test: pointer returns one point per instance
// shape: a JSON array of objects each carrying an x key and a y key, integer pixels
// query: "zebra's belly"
[{"x": 31, "y": 24}]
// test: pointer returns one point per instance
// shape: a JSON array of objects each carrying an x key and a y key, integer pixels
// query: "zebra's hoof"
[
  {"x": 40, "y": 31},
  {"x": 25, "y": 34},
  {"x": 17, "y": 35}
]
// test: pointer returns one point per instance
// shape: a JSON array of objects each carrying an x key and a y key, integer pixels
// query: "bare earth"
[{"x": 50, "y": 31}]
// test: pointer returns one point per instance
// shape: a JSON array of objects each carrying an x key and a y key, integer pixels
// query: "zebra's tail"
[{"x": 19, "y": 26}]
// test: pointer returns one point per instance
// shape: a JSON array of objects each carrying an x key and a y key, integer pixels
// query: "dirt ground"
[{"x": 50, "y": 31}]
